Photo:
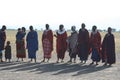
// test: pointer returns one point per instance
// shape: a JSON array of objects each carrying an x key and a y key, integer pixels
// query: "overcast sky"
[{"x": 18, "y": 13}]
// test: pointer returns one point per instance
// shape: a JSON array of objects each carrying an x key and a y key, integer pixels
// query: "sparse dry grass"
[
  {"x": 11, "y": 37},
  {"x": 55, "y": 71}
]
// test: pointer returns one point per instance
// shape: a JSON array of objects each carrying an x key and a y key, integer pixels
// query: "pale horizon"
[{"x": 19, "y": 13}]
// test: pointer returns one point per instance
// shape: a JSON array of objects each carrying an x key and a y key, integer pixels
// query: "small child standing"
[{"x": 8, "y": 51}]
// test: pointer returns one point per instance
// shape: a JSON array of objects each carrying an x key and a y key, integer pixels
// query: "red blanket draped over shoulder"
[
  {"x": 47, "y": 43},
  {"x": 95, "y": 41},
  {"x": 61, "y": 44}
]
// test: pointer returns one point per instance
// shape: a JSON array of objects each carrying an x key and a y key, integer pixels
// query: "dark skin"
[
  {"x": 23, "y": 29},
  {"x": 47, "y": 26},
  {"x": 83, "y": 26},
  {"x": 60, "y": 28},
  {"x": 72, "y": 29},
  {"x": 94, "y": 28},
  {"x": 109, "y": 30},
  {"x": 31, "y": 28},
  {"x": 3, "y": 28}
]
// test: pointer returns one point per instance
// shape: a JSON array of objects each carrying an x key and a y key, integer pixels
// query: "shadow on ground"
[{"x": 53, "y": 68}]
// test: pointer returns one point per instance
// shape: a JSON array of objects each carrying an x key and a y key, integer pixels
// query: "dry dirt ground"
[{"x": 58, "y": 71}]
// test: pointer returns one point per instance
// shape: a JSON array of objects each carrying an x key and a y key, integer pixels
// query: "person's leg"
[
  {"x": 84, "y": 61},
  {"x": 62, "y": 55},
  {"x": 57, "y": 60},
  {"x": 74, "y": 60},
  {"x": 110, "y": 64},
  {"x": 5, "y": 59},
  {"x": 105, "y": 62},
  {"x": 1, "y": 60},
  {"x": 35, "y": 60},
  {"x": 62, "y": 60},
  {"x": 81, "y": 61},
  {"x": 17, "y": 59},
  {"x": 96, "y": 63},
  {"x": 70, "y": 60},
  {"x": 22, "y": 59},
  {"x": 43, "y": 60},
  {"x": 9, "y": 60},
  {"x": 92, "y": 63},
  {"x": 1, "y": 57},
  {"x": 70, "y": 55},
  {"x": 48, "y": 59},
  {"x": 31, "y": 59}
]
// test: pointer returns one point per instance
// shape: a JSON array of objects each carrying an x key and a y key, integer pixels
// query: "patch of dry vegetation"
[{"x": 11, "y": 37}]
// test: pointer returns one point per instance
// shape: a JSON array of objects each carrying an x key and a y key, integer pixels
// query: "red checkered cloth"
[{"x": 47, "y": 48}]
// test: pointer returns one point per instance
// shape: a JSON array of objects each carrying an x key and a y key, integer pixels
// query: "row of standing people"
[
  {"x": 31, "y": 39},
  {"x": 80, "y": 44},
  {"x": 83, "y": 44},
  {"x": 32, "y": 43}
]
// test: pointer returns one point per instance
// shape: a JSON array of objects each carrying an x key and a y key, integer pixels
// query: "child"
[{"x": 8, "y": 51}]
